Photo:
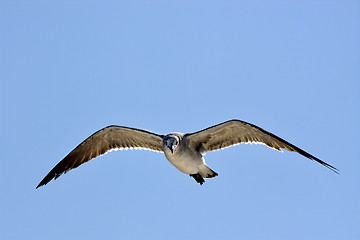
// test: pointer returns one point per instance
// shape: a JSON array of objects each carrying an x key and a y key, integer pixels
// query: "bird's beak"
[{"x": 173, "y": 146}]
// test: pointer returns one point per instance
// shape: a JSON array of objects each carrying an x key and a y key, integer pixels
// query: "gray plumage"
[{"x": 184, "y": 151}]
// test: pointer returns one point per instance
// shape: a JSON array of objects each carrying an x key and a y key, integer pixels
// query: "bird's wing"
[
  {"x": 234, "y": 132},
  {"x": 103, "y": 141}
]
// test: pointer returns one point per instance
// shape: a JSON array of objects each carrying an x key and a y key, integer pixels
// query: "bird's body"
[
  {"x": 185, "y": 158},
  {"x": 182, "y": 157},
  {"x": 184, "y": 151}
]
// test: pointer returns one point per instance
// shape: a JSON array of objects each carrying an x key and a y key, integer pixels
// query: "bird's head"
[{"x": 170, "y": 142}]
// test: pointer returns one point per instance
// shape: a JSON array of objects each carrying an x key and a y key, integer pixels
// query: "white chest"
[{"x": 186, "y": 161}]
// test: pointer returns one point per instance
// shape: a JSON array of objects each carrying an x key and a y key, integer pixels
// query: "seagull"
[{"x": 184, "y": 151}]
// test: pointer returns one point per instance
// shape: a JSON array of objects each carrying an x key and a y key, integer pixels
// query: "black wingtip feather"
[{"x": 332, "y": 168}]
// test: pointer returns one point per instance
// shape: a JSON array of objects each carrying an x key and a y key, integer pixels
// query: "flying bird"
[{"x": 184, "y": 151}]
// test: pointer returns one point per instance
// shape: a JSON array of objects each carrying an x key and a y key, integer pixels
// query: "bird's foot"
[{"x": 198, "y": 178}]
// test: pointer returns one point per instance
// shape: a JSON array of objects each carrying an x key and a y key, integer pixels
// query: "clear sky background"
[{"x": 69, "y": 68}]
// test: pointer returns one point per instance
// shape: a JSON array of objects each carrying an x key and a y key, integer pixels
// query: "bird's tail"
[{"x": 206, "y": 172}]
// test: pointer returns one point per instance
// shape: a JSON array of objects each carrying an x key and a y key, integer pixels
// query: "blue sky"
[{"x": 69, "y": 68}]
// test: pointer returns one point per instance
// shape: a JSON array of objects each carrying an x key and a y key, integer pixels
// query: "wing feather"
[
  {"x": 103, "y": 141},
  {"x": 234, "y": 132}
]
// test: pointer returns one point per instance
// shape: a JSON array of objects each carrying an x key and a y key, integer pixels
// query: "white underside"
[{"x": 186, "y": 163}]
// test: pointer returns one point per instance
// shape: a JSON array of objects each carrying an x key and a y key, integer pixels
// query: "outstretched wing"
[
  {"x": 103, "y": 141},
  {"x": 234, "y": 132}
]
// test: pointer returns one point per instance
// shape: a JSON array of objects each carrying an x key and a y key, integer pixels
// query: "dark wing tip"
[
  {"x": 309, "y": 156},
  {"x": 42, "y": 183},
  {"x": 332, "y": 168},
  {"x": 50, "y": 176}
]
